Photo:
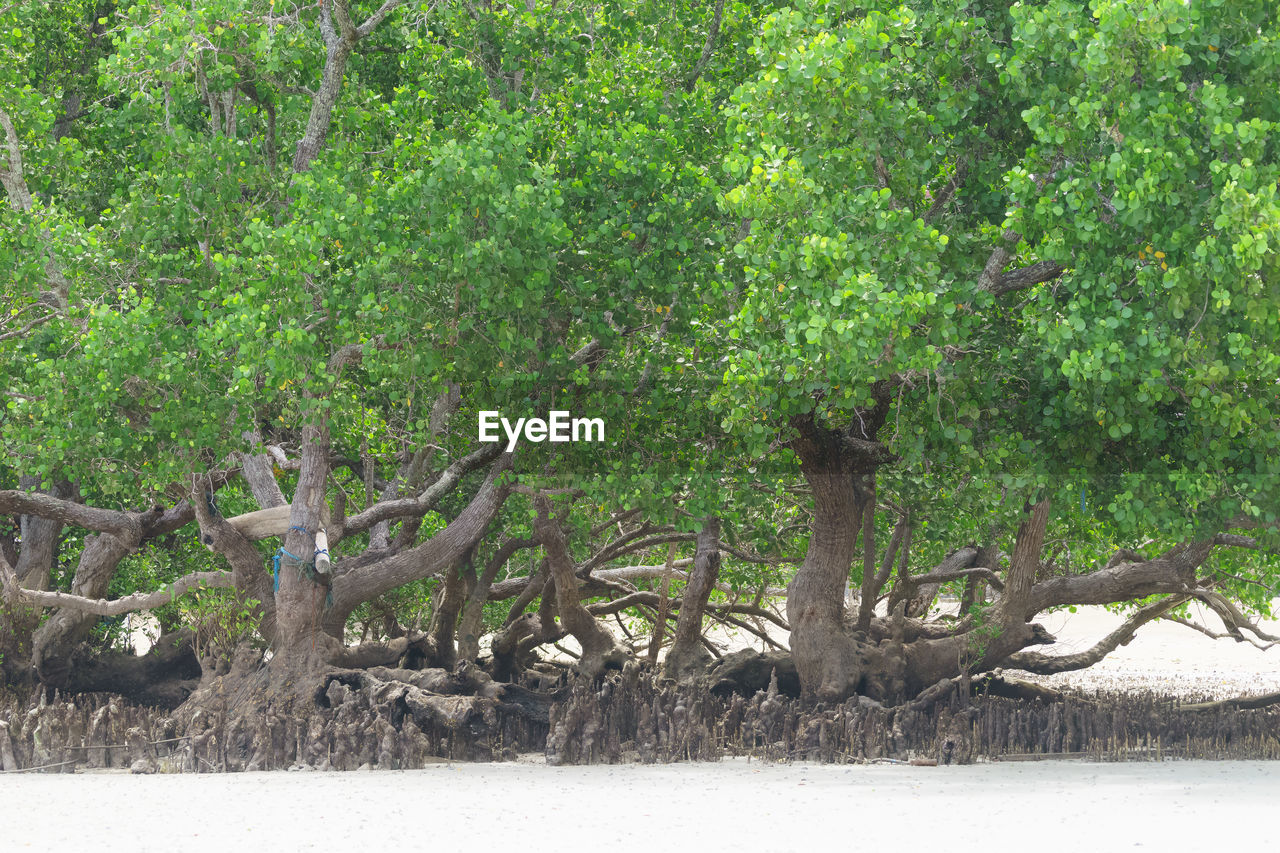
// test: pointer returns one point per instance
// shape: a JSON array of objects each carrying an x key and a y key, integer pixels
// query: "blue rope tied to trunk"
[{"x": 275, "y": 564}]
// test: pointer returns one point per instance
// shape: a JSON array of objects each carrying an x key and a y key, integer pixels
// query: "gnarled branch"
[
  {"x": 429, "y": 497},
  {"x": 1043, "y": 664}
]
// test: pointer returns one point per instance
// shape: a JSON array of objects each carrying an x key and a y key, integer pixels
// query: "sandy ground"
[{"x": 1045, "y": 806}]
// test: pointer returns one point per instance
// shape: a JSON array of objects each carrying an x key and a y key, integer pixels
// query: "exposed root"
[{"x": 388, "y": 718}]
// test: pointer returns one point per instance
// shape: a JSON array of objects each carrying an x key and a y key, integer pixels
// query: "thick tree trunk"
[
  {"x": 33, "y": 566},
  {"x": 444, "y": 620},
  {"x": 687, "y": 655},
  {"x": 302, "y": 593},
  {"x": 826, "y": 654}
]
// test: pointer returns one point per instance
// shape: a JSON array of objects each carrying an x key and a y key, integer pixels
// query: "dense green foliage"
[{"x": 748, "y": 214}]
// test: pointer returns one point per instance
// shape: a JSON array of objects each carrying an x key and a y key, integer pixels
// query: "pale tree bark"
[
  {"x": 126, "y": 604},
  {"x": 256, "y": 467},
  {"x": 340, "y": 36},
  {"x": 13, "y": 177},
  {"x": 32, "y": 566}
]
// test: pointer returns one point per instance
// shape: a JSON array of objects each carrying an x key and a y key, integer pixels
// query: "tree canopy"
[{"x": 875, "y": 301}]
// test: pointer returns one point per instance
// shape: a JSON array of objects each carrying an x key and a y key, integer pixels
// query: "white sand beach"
[{"x": 1048, "y": 806}]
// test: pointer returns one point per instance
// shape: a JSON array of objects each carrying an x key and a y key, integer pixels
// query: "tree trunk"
[
  {"x": 598, "y": 648},
  {"x": 301, "y": 598},
  {"x": 55, "y": 640},
  {"x": 338, "y": 51},
  {"x": 472, "y": 624},
  {"x": 826, "y": 654},
  {"x": 687, "y": 655},
  {"x": 664, "y": 607},
  {"x": 33, "y": 566},
  {"x": 444, "y": 620}
]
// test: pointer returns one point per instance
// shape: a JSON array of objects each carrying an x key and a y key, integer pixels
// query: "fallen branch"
[{"x": 1240, "y": 703}]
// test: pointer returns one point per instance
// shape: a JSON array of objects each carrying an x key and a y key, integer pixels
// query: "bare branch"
[
  {"x": 377, "y": 17},
  {"x": 31, "y": 324},
  {"x": 900, "y": 532},
  {"x": 1043, "y": 664},
  {"x": 1231, "y": 617},
  {"x": 644, "y": 598},
  {"x": 1024, "y": 277},
  {"x": 588, "y": 350},
  {"x": 952, "y": 568},
  {"x": 424, "y": 502},
  {"x": 443, "y": 549},
  {"x": 946, "y": 576},
  {"x": 513, "y": 586},
  {"x": 1171, "y": 572},
  {"x": 755, "y": 558},
  {"x": 130, "y": 603},
  {"x": 707, "y": 47},
  {"x": 14, "y": 502},
  {"x": 945, "y": 194},
  {"x": 1215, "y": 635},
  {"x": 1230, "y": 540},
  {"x": 623, "y": 547}
]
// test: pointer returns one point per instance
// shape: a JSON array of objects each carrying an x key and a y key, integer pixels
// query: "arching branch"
[{"x": 1043, "y": 664}]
